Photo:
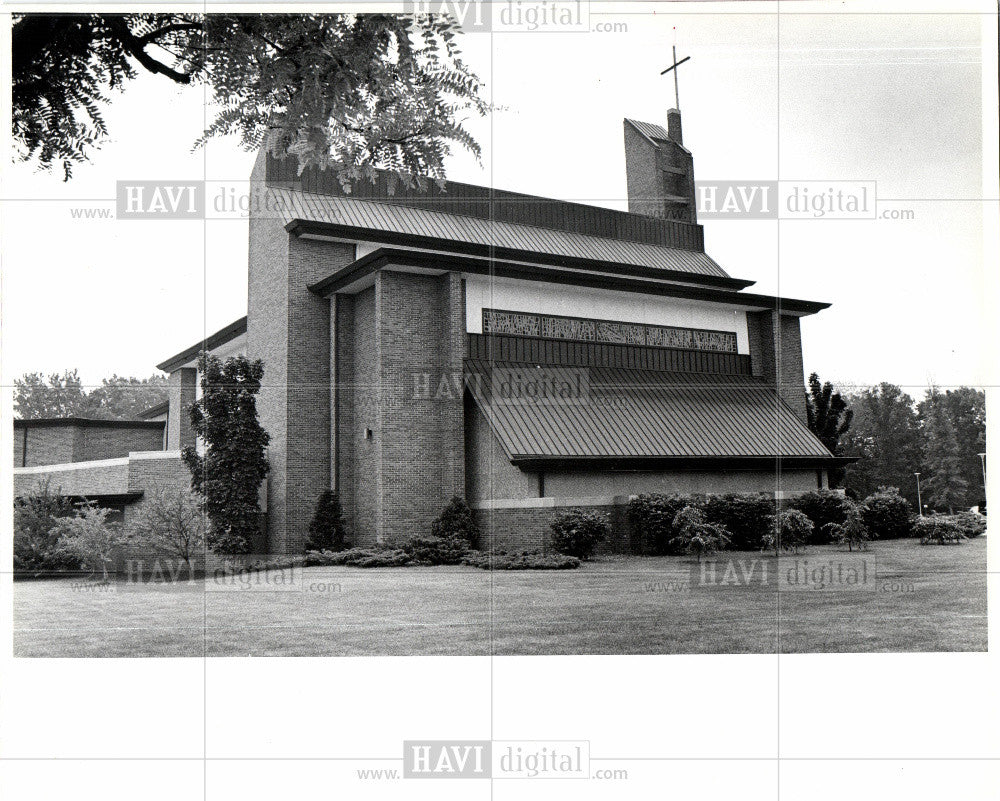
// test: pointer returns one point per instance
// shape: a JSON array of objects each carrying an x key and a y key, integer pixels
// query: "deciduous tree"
[
  {"x": 229, "y": 473},
  {"x": 352, "y": 91}
]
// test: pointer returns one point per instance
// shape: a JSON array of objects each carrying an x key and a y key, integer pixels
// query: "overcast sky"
[{"x": 896, "y": 99}]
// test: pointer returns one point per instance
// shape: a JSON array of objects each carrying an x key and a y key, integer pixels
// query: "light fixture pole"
[
  {"x": 920, "y": 506},
  {"x": 982, "y": 461}
]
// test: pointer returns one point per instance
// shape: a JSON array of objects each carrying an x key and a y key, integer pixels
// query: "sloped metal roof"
[
  {"x": 649, "y": 129},
  {"x": 627, "y": 413},
  {"x": 397, "y": 219}
]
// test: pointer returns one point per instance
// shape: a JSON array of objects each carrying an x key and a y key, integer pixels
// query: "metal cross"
[{"x": 674, "y": 66}]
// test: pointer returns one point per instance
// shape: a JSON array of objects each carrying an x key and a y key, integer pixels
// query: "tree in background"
[
  {"x": 229, "y": 474},
  {"x": 353, "y": 91},
  {"x": 117, "y": 398},
  {"x": 36, "y": 396},
  {"x": 829, "y": 418},
  {"x": 885, "y": 434},
  {"x": 965, "y": 407},
  {"x": 945, "y": 486}
]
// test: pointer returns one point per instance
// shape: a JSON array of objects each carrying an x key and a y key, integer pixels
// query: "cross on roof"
[{"x": 674, "y": 66}]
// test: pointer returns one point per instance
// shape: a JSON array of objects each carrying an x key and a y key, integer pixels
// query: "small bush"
[
  {"x": 886, "y": 514},
  {"x": 695, "y": 536},
  {"x": 435, "y": 550},
  {"x": 524, "y": 560},
  {"x": 747, "y": 518},
  {"x": 823, "y": 507},
  {"x": 170, "y": 522},
  {"x": 576, "y": 532},
  {"x": 90, "y": 538},
  {"x": 852, "y": 532},
  {"x": 941, "y": 529},
  {"x": 36, "y": 539},
  {"x": 360, "y": 557},
  {"x": 456, "y": 523},
  {"x": 326, "y": 529},
  {"x": 972, "y": 524},
  {"x": 789, "y": 530},
  {"x": 651, "y": 520}
]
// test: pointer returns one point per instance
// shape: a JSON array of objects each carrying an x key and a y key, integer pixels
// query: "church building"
[{"x": 527, "y": 354}]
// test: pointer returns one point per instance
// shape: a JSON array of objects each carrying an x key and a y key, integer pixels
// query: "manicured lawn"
[{"x": 925, "y": 599}]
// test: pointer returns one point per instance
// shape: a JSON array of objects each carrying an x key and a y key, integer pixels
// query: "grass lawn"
[{"x": 929, "y": 598}]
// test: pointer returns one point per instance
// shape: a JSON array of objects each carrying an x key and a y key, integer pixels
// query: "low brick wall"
[{"x": 525, "y": 527}]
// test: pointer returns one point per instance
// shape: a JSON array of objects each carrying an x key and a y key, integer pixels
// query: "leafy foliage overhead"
[{"x": 354, "y": 92}]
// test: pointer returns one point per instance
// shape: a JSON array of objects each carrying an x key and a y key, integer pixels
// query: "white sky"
[{"x": 895, "y": 99}]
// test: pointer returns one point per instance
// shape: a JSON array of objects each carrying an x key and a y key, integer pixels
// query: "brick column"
[
  {"x": 776, "y": 356},
  {"x": 181, "y": 388}
]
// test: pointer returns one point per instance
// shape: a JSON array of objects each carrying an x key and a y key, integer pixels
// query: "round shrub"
[
  {"x": 972, "y": 524},
  {"x": 747, "y": 518},
  {"x": 941, "y": 529},
  {"x": 456, "y": 523},
  {"x": 651, "y": 521},
  {"x": 789, "y": 530},
  {"x": 576, "y": 532},
  {"x": 823, "y": 507},
  {"x": 886, "y": 514},
  {"x": 695, "y": 536}
]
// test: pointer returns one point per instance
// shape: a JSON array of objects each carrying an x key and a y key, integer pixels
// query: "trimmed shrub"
[
  {"x": 789, "y": 530},
  {"x": 747, "y": 518},
  {"x": 972, "y": 524},
  {"x": 695, "y": 536},
  {"x": 360, "y": 557},
  {"x": 576, "y": 532},
  {"x": 525, "y": 560},
  {"x": 651, "y": 520},
  {"x": 941, "y": 529},
  {"x": 326, "y": 529},
  {"x": 823, "y": 507},
  {"x": 456, "y": 523},
  {"x": 886, "y": 514},
  {"x": 36, "y": 538},
  {"x": 435, "y": 550}
]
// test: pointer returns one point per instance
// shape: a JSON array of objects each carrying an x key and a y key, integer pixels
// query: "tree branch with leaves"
[{"x": 351, "y": 92}]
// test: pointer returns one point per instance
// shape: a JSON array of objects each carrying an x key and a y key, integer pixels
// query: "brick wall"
[
  {"x": 308, "y": 380},
  {"x": 420, "y": 438},
  {"x": 50, "y": 445},
  {"x": 109, "y": 478},
  {"x": 489, "y": 473},
  {"x": 73, "y": 442},
  {"x": 181, "y": 394},
  {"x": 776, "y": 356},
  {"x": 361, "y": 453},
  {"x": 113, "y": 443},
  {"x": 289, "y": 329}
]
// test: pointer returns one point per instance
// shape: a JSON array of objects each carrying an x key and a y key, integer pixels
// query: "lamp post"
[
  {"x": 982, "y": 461},
  {"x": 920, "y": 506}
]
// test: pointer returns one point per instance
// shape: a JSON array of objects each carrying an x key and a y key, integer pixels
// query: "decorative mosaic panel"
[
  {"x": 579, "y": 329},
  {"x": 513, "y": 323}
]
